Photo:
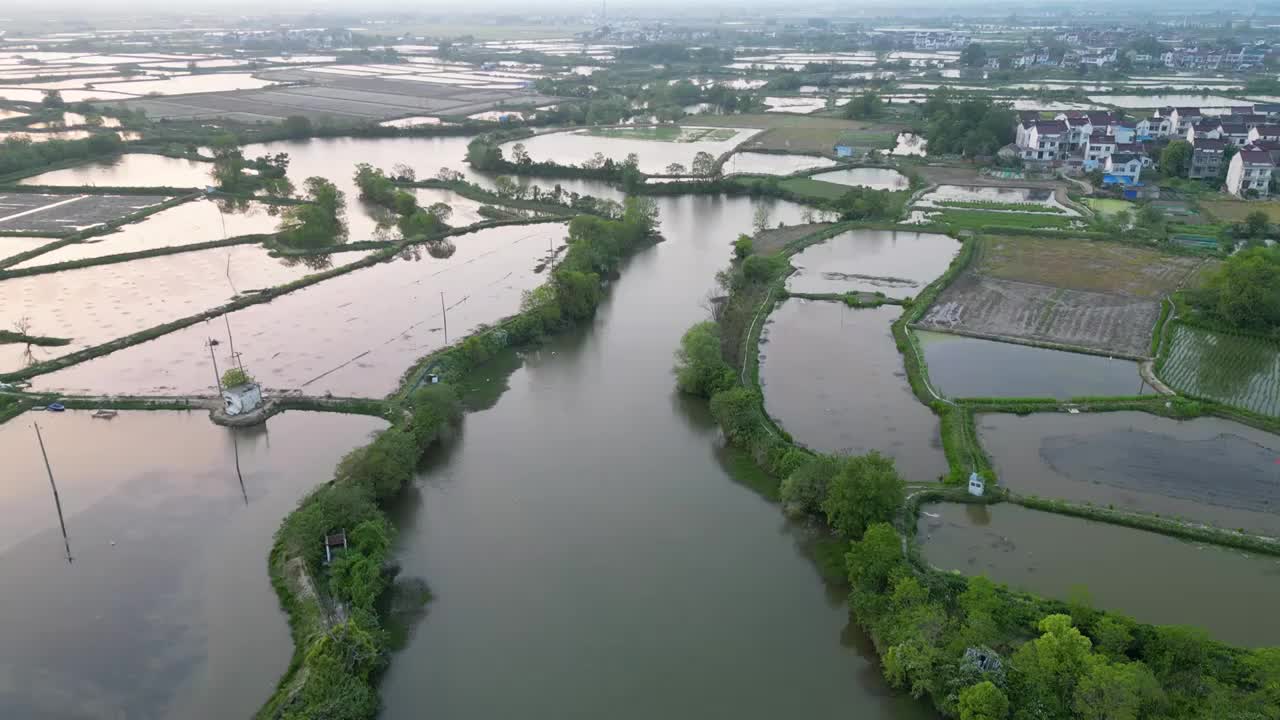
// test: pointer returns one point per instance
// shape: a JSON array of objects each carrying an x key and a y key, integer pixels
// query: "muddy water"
[
  {"x": 757, "y": 163},
  {"x": 186, "y": 224},
  {"x": 99, "y": 303},
  {"x": 336, "y": 159},
  {"x": 1150, "y": 577},
  {"x": 589, "y": 553},
  {"x": 214, "y": 82},
  {"x": 167, "y": 611},
  {"x": 1208, "y": 469},
  {"x": 351, "y": 335},
  {"x": 575, "y": 147},
  {"x": 962, "y": 366},
  {"x": 894, "y": 262},
  {"x": 875, "y": 178},
  {"x": 853, "y": 396},
  {"x": 131, "y": 170}
]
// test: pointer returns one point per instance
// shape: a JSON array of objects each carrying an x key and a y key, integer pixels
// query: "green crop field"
[
  {"x": 1107, "y": 206},
  {"x": 1238, "y": 370},
  {"x": 665, "y": 133},
  {"x": 814, "y": 188},
  {"x": 979, "y": 220}
]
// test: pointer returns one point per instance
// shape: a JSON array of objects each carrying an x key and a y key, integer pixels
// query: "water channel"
[
  {"x": 1153, "y": 578},
  {"x": 589, "y": 554}
]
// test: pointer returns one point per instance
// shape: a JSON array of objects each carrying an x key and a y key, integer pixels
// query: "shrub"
[
  {"x": 760, "y": 268},
  {"x": 383, "y": 466},
  {"x": 805, "y": 489},
  {"x": 742, "y": 247},
  {"x": 737, "y": 410},
  {"x": 234, "y": 377},
  {"x": 435, "y": 407},
  {"x": 700, "y": 369},
  {"x": 866, "y": 490}
]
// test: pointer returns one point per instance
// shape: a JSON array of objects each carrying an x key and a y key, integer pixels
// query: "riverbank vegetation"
[
  {"x": 317, "y": 223},
  {"x": 974, "y": 649},
  {"x": 20, "y": 155}
]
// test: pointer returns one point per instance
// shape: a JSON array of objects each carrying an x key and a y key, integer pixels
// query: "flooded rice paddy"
[
  {"x": 853, "y": 396},
  {"x": 1208, "y": 469},
  {"x": 167, "y": 611},
  {"x": 758, "y": 163},
  {"x": 962, "y": 366},
  {"x": 95, "y": 304},
  {"x": 131, "y": 170},
  {"x": 897, "y": 263},
  {"x": 577, "y": 146},
  {"x": 874, "y": 178},
  {"x": 973, "y": 193},
  {"x": 350, "y": 335},
  {"x": 190, "y": 223},
  {"x": 1150, "y": 577}
]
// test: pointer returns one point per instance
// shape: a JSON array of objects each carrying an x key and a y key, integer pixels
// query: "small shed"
[
  {"x": 242, "y": 399},
  {"x": 334, "y": 543},
  {"x": 844, "y": 147},
  {"x": 976, "y": 486}
]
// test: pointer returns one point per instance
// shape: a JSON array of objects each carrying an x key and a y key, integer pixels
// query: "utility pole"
[
  {"x": 227, "y": 318},
  {"x": 444, "y": 312},
  {"x": 56, "y": 500},
  {"x": 217, "y": 378}
]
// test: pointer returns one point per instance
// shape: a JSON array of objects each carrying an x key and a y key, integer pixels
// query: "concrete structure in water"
[{"x": 242, "y": 399}]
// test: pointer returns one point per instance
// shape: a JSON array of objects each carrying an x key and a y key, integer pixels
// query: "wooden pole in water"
[
  {"x": 56, "y": 500},
  {"x": 445, "y": 312},
  {"x": 217, "y": 379}
]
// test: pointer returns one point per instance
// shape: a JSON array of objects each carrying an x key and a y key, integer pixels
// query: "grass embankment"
[
  {"x": 126, "y": 257},
  {"x": 337, "y": 612},
  {"x": 664, "y": 133},
  {"x": 17, "y": 338},
  {"x": 925, "y": 622}
]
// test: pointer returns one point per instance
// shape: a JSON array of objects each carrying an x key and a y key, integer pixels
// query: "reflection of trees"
[
  {"x": 318, "y": 261},
  {"x": 441, "y": 248},
  {"x": 385, "y": 221}
]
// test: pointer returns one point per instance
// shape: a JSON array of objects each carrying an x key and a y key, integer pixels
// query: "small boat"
[
  {"x": 55, "y": 407},
  {"x": 104, "y": 414}
]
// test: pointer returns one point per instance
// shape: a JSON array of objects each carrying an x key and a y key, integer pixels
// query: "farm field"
[
  {"x": 804, "y": 133},
  {"x": 1107, "y": 206},
  {"x": 1096, "y": 296},
  {"x": 814, "y": 188},
  {"x": 1238, "y": 370},
  {"x": 979, "y": 220},
  {"x": 1084, "y": 265},
  {"x": 988, "y": 307},
  {"x": 40, "y": 213},
  {"x": 1236, "y": 211}
]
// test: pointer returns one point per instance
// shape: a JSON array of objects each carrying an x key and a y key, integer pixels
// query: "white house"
[
  {"x": 1154, "y": 126},
  {"x": 1099, "y": 148},
  {"x": 1206, "y": 159},
  {"x": 1123, "y": 132},
  {"x": 242, "y": 399},
  {"x": 1264, "y": 132},
  {"x": 1045, "y": 141},
  {"x": 1180, "y": 118},
  {"x": 1123, "y": 169},
  {"x": 1249, "y": 172}
]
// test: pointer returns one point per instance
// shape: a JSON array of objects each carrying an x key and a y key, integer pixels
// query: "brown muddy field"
[{"x": 1097, "y": 296}]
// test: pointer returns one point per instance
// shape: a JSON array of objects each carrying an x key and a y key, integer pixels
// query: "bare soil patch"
[
  {"x": 775, "y": 239},
  {"x": 1101, "y": 267}
]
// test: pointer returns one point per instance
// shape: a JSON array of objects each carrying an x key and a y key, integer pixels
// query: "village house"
[
  {"x": 1044, "y": 141},
  {"x": 1206, "y": 158},
  {"x": 1181, "y": 118},
  {"x": 1264, "y": 132},
  {"x": 1099, "y": 148},
  {"x": 1249, "y": 173},
  {"x": 1122, "y": 169}
]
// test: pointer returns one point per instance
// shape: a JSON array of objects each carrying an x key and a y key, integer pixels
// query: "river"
[{"x": 589, "y": 554}]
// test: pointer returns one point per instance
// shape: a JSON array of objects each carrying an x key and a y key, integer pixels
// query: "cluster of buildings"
[{"x": 1083, "y": 141}]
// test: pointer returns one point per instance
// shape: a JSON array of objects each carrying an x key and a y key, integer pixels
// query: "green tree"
[
  {"x": 973, "y": 55},
  {"x": 874, "y": 559},
  {"x": 864, "y": 107},
  {"x": 1050, "y": 666},
  {"x": 737, "y": 411},
  {"x": 867, "y": 490},
  {"x": 435, "y": 408},
  {"x": 805, "y": 489},
  {"x": 1113, "y": 691},
  {"x": 1113, "y": 635},
  {"x": 318, "y": 222},
  {"x": 235, "y": 376},
  {"x": 296, "y": 126},
  {"x": 383, "y": 466},
  {"x": 743, "y": 246},
  {"x": 983, "y": 701},
  {"x": 1246, "y": 289},
  {"x": 700, "y": 367},
  {"x": 1257, "y": 223},
  {"x": 1175, "y": 159},
  {"x": 53, "y": 99},
  {"x": 704, "y": 164}
]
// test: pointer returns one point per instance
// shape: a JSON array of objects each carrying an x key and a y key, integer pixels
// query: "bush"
[
  {"x": 737, "y": 410},
  {"x": 700, "y": 369},
  {"x": 761, "y": 268},
  {"x": 742, "y": 247},
  {"x": 435, "y": 407},
  {"x": 234, "y": 377},
  {"x": 866, "y": 490},
  {"x": 383, "y": 466},
  {"x": 805, "y": 489}
]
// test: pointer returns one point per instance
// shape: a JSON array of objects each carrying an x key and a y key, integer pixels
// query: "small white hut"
[
  {"x": 242, "y": 399},
  {"x": 976, "y": 486}
]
